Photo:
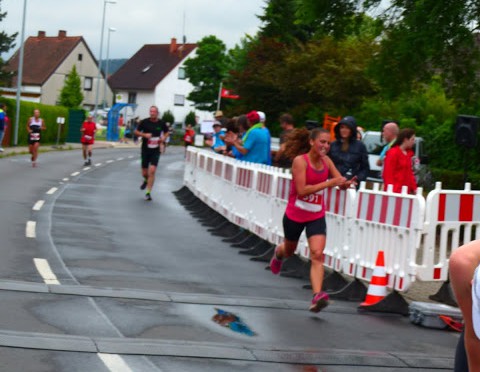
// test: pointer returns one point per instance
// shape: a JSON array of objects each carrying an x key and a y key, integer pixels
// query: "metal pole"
[
  {"x": 110, "y": 30},
  {"x": 20, "y": 75},
  {"x": 219, "y": 96},
  {"x": 100, "y": 56}
]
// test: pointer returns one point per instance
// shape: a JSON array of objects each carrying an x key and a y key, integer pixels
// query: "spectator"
[
  {"x": 389, "y": 134},
  {"x": 3, "y": 123},
  {"x": 464, "y": 265},
  {"x": 263, "y": 120},
  {"x": 348, "y": 153},
  {"x": 287, "y": 124},
  {"x": 220, "y": 118},
  {"x": 397, "y": 168},
  {"x": 254, "y": 147},
  {"x": 218, "y": 138},
  {"x": 236, "y": 134}
]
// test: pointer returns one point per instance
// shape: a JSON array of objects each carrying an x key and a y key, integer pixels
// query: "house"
[
  {"x": 46, "y": 63},
  {"x": 155, "y": 75}
]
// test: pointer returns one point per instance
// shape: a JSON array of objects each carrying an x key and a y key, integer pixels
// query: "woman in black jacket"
[{"x": 348, "y": 153}]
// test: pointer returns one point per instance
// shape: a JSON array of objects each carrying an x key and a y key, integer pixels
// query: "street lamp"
[
  {"x": 105, "y": 2},
  {"x": 110, "y": 30},
  {"x": 20, "y": 75}
]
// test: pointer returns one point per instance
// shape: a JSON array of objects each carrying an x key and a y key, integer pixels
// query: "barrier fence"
[{"x": 416, "y": 234}]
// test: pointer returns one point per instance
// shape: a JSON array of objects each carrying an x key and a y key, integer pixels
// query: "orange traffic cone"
[{"x": 377, "y": 289}]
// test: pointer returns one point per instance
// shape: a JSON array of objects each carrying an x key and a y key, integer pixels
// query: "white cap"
[
  {"x": 476, "y": 301},
  {"x": 262, "y": 116}
]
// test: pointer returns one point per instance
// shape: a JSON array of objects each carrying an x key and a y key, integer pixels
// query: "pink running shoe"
[
  {"x": 319, "y": 302},
  {"x": 275, "y": 263}
]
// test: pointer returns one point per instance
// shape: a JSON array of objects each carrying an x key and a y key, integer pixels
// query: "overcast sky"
[{"x": 137, "y": 22}]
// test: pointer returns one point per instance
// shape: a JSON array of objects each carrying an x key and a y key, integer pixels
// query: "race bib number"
[
  {"x": 188, "y": 139},
  {"x": 310, "y": 203},
  {"x": 153, "y": 142},
  {"x": 87, "y": 137},
  {"x": 34, "y": 136}
]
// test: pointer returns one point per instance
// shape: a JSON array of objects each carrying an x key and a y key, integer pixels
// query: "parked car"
[{"x": 374, "y": 143}]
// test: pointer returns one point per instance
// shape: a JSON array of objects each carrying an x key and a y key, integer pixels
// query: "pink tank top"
[{"x": 310, "y": 207}]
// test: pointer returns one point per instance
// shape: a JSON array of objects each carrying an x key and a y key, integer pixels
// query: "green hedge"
[
  {"x": 454, "y": 180},
  {"x": 47, "y": 113}
]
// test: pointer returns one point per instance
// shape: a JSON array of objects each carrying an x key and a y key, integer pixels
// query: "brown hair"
[
  {"x": 297, "y": 142},
  {"x": 404, "y": 134}
]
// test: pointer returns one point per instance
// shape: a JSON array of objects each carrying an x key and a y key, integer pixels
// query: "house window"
[
  {"x": 179, "y": 100},
  {"x": 132, "y": 97},
  {"x": 87, "y": 84},
  {"x": 80, "y": 56},
  {"x": 181, "y": 73}
]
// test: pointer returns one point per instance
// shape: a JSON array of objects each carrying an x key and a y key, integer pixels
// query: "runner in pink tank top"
[{"x": 312, "y": 173}]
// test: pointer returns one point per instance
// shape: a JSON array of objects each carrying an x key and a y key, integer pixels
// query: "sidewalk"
[{"x": 18, "y": 150}]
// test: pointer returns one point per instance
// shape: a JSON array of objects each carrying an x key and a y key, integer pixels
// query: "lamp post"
[
  {"x": 110, "y": 30},
  {"x": 20, "y": 75},
  {"x": 105, "y": 2}
]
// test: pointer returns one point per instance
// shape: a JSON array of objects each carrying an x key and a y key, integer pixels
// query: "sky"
[{"x": 137, "y": 22}]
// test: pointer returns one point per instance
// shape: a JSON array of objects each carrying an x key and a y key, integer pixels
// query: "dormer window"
[{"x": 147, "y": 68}]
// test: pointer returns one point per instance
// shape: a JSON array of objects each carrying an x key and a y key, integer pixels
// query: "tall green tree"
[
  {"x": 6, "y": 43},
  {"x": 71, "y": 95},
  {"x": 206, "y": 71}
]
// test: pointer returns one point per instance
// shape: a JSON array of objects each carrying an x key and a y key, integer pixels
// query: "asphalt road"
[{"x": 94, "y": 278}]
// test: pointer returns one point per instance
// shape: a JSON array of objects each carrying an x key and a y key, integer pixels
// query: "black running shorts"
[
  {"x": 292, "y": 230},
  {"x": 150, "y": 158}
]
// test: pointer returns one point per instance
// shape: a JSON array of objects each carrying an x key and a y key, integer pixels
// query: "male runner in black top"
[{"x": 153, "y": 132}]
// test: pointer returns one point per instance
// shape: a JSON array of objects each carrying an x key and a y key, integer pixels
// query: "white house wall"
[{"x": 87, "y": 67}]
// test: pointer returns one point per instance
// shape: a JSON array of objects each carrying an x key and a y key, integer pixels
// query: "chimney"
[
  {"x": 173, "y": 45},
  {"x": 41, "y": 34},
  {"x": 62, "y": 34}
]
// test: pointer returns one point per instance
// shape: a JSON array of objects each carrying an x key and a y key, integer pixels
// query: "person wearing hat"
[
  {"x": 221, "y": 118},
  {"x": 218, "y": 137},
  {"x": 464, "y": 271},
  {"x": 255, "y": 146},
  {"x": 348, "y": 153},
  {"x": 263, "y": 121}
]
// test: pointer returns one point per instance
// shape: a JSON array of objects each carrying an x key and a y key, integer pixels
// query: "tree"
[
  {"x": 6, "y": 43},
  {"x": 206, "y": 71},
  {"x": 71, "y": 95},
  {"x": 191, "y": 118},
  {"x": 168, "y": 117}
]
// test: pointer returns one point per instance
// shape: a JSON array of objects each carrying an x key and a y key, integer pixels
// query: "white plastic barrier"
[
  {"x": 359, "y": 223},
  {"x": 452, "y": 219},
  {"x": 390, "y": 222}
]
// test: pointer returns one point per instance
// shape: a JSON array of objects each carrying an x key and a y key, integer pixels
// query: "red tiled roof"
[
  {"x": 42, "y": 56},
  {"x": 150, "y": 65}
]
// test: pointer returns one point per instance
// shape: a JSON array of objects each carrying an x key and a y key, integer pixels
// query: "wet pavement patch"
[{"x": 232, "y": 321}]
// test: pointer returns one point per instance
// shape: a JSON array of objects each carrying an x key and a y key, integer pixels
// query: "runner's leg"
[{"x": 317, "y": 245}]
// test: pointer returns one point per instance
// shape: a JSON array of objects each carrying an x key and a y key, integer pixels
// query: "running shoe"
[
  {"x": 319, "y": 302},
  {"x": 275, "y": 263},
  {"x": 85, "y": 164},
  {"x": 89, "y": 162},
  {"x": 148, "y": 197},
  {"x": 143, "y": 186},
  {"x": 34, "y": 164}
]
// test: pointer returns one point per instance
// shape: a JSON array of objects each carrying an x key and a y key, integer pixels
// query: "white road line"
[
  {"x": 45, "y": 271},
  {"x": 52, "y": 190},
  {"x": 119, "y": 159},
  {"x": 75, "y": 174},
  {"x": 38, "y": 205},
  {"x": 130, "y": 157},
  {"x": 109, "y": 161},
  {"x": 114, "y": 362},
  {"x": 30, "y": 230},
  {"x": 98, "y": 164},
  {"x": 86, "y": 168},
  {"x": 65, "y": 179}
]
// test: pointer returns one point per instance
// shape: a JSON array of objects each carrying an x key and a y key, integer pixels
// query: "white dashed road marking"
[
  {"x": 109, "y": 161},
  {"x": 86, "y": 168},
  {"x": 75, "y": 174},
  {"x": 98, "y": 164},
  {"x": 65, "y": 179},
  {"x": 45, "y": 271},
  {"x": 119, "y": 159},
  {"x": 38, "y": 205},
  {"x": 114, "y": 362},
  {"x": 52, "y": 190},
  {"x": 30, "y": 230}
]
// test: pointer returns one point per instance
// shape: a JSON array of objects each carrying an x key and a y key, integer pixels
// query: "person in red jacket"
[
  {"x": 189, "y": 135},
  {"x": 88, "y": 130},
  {"x": 398, "y": 169}
]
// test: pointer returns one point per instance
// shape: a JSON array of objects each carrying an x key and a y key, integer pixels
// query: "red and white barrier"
[{"x": 416, "y": 236}]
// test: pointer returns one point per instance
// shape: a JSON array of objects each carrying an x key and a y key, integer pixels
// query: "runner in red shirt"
[
  {"x": 88, "y": 138},
  {"x": 189, "y": 136}
]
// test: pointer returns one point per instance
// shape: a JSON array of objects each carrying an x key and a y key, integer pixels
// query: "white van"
[{"x": 374, "y": 143}]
